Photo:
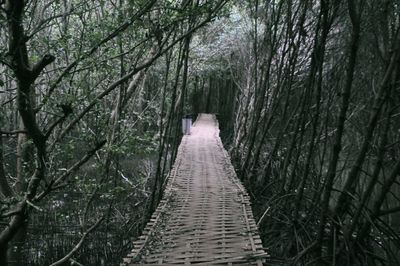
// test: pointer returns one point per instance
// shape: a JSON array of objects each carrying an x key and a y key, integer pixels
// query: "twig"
[
  {"x": 74, "y": 262},
  {"x": 9, "y": 101},
  {"x": 262, "y": 217},
  {"x": 34, "y": 206},
  {"x": 12, "y": 132},
  {"x": 11, "y": 213}
]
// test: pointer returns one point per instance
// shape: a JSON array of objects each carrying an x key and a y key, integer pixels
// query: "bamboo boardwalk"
[{"x": 205, "y": 216}]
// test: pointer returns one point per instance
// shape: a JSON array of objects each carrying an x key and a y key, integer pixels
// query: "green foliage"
[
  {"x": 142, "y": 144},
  {"x": 115, "y": 181}
]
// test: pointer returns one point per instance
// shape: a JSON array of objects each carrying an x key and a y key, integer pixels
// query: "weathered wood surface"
[{"x": 205, "y": 216}]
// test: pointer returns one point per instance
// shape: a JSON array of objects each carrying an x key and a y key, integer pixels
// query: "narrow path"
[{"x": 205, "y": 216}]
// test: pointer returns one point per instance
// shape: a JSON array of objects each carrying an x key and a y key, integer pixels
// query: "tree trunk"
[{"x": 337, "y": 145}]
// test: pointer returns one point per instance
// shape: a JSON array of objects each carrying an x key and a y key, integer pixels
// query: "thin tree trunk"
[{"x": 337, "y": 145}]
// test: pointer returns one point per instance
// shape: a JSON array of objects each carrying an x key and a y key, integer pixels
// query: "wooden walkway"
[{"x": 205, "y": 216}]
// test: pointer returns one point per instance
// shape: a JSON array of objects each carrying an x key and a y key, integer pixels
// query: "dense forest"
[{"x": 306, "y": 93}]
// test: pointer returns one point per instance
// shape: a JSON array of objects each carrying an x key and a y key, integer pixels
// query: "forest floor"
[{"x": 205, "y": 216}]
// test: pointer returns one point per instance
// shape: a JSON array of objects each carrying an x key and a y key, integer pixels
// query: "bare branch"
[
  {"x": 111, "y": 36},
  {"x": 37, "y": 69},
  {"x": 15, "y": 132},
  {"x": 126, "y": 77},
  {"x": 77, "y": 246},
  {"x": 70, "y": 171}
]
